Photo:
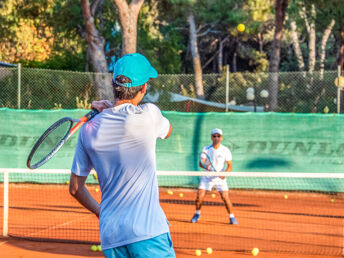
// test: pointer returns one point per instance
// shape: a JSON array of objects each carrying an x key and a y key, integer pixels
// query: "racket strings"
[{"x": 50, "y": 142}]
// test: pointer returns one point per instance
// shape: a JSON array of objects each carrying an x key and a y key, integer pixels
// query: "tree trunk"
[
  {"x": 280, "y": 7},
  {"x": 324, "y": 39},
  {"x": 97, "y": 55},
  {"x": 128, "y": 17},
  {"x": 310, "y": 26},
  {"x": 340, "y": 59},
  {"x": 260, "y": 42},
  {"x": 235, "y": 55},
  {"x": 312, "y": 41},
  {"x": 234, "y": 61},
  {"x": 195, "y": 56},
  {"x": 296, "y": 44},
  {"x": 220, "y": 57}
]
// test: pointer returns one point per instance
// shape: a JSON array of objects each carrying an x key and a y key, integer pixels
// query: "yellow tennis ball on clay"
[
  {"x": 285, "y": 196},
  {"x": 255, "y": 251},
  {"x": 181, "y": 195},
  {"x": 198, "y": 252},
  {"x": 99, "y": 248},
  {"x": 209, "y": 250},
  {"x": 94, "y": 248},
  {"x": 170, "y": 192},
  {"x": 213, "y": 195},
  {"x": 97, "y": 190},
  {"x": 241, "y": 27}
]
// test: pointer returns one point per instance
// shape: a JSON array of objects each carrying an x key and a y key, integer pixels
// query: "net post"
[{"x": 5, "y": 222}]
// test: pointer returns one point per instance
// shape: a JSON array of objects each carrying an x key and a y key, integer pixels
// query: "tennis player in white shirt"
[{"x": 220, "y": 157}]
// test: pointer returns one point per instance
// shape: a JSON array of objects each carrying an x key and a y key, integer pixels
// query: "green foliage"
[
  {"x": 63, "y": 61},
  {"x": 159, "y": 40},
  {"x": 50, "y": 33}
]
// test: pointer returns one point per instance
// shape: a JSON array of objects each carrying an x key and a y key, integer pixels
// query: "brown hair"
[{"x": 122, "y": 92}]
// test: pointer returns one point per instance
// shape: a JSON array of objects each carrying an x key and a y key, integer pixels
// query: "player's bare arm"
[
  {"x": 101, "y": 105},
  {"x": 229, "y": 166},
  {"x": 79, "y": 191},
  {"x": 169, "y": 132},
  {"x": 228, "y": 169}
]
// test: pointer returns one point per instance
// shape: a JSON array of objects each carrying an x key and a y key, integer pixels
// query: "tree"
[
  {"x": 128, "y": 15},
  {"x": 196, "y": 60},
  {"x": 25, "y": 34},
  {"x": 96, "y": 51},
  {"x": 187, "y": 9},
  {"x": 280, "y": 9},
  {"x": 304, "y": 15}
]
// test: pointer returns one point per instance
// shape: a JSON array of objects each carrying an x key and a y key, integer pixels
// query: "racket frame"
[
  {"x": 211, "y": 163},
  {"x": 72, "y": 129}
]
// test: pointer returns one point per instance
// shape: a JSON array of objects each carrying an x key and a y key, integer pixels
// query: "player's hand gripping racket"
[
  {"x": 206, "y": 162},
  {"x": 53, "y": 139}
]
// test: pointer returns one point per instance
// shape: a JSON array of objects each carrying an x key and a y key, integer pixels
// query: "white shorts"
[{"x": 208, "y": 183}]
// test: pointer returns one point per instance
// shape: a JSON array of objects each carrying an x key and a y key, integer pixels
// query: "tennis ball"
[
  {"x": 170, "y": 192},
  {"x": 181, "y": 195},
  {"x": 241, "y": 27},
  {"x": 99, "y": 248},
  {"x": 209, "y": 250},
  {"x": 213, "y": 195},
  {"x": 198, "y": 252},
  {"x": 94, "y": 248},
  {"x": 285, "y": 196},
  {"x": 255, "y": 251},
  {"x": 332, "y": 200},
  {"x": 97, "y": 190},
  {"x": 67, "y": 182}
]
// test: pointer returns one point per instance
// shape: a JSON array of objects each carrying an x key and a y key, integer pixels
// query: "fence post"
[
  {"x": 19, "y": 86},
  {"x": 227, "y": 87}
]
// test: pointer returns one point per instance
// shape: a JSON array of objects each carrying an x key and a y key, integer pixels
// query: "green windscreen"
[{"x": 259, "y": 142}]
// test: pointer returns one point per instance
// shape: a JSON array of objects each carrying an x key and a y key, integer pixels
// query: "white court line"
[
  {"x": 56, "y": 226},
  {"x": 2, "y": 243}
]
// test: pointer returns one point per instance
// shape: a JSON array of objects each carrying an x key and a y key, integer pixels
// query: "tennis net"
[{"x": 299, "y": 213}]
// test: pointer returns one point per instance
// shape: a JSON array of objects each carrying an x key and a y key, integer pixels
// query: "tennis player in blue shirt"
[{"x": 119, "y": 143}]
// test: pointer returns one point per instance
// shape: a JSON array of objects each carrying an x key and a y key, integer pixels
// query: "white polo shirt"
[
  {"x": 218, "y": 157},
  {"x": 119, "y": 144}
]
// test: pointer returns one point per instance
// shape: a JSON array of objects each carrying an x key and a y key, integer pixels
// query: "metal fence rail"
[{"x": 301, "y": 92}]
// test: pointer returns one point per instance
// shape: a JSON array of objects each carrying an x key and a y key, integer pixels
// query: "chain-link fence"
[{"x": 302, "y": 92}]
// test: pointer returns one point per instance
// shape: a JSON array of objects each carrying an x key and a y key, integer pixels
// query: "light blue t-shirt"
[{"x": 119, "y": 144}]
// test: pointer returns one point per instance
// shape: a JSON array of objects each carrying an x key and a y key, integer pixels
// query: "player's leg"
[
  {"x": 225, "y": 197},
  {"x": 222, "y": 188},
  {"x": 198, "y": 202},
  {"x": 199, "y": 199},
  {"x": 204, "y": 185}
]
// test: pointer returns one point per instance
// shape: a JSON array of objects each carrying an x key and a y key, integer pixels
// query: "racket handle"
[{"x": 91, "y": 114}]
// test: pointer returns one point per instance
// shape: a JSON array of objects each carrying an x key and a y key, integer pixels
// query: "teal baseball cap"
[{"x": 136, "y": 67}]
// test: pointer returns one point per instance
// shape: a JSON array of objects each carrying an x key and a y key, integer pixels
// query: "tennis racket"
[
  {"x": 54, "y": 137},
  {"x": 206, "y": 162}
]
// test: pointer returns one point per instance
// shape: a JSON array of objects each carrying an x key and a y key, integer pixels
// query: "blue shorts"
[{"x": 156, "y": 247}]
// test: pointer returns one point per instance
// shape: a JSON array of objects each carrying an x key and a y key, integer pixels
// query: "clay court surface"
[{"x": 280, "y": 224}]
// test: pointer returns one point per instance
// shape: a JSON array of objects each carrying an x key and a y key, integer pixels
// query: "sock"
[
  {"x": 231, "y": 215},
  {"x": 198, "y": 212}
]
